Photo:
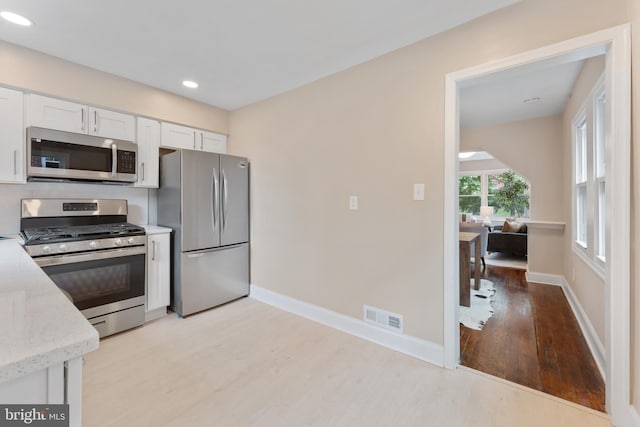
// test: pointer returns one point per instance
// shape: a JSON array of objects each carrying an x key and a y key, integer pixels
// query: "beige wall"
[
  {"x": 523, "y": 146},
  {"x": 635, "y": 201},
  {"x": 585, "y": 283},
  {"x": 481, "y": 165},
  {"x": 28, "y": 69},
  {"x": 372, "y": 131}
]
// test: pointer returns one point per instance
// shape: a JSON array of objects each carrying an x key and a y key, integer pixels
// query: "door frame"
[{"x": 615, "y": 43}]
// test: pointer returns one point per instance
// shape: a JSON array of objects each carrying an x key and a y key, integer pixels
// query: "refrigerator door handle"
[
  {"x": 214, "y": 200},
  {"x": 225, "y": 200}
]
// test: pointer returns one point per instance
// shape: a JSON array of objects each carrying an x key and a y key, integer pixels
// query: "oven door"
[{"x": 94, "y": 279}]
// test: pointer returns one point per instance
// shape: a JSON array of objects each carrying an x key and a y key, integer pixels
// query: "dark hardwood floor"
[{"x": 533, "y": 339}]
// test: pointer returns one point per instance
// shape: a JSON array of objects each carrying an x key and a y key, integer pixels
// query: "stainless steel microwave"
[{"x": 57, "y": 155}]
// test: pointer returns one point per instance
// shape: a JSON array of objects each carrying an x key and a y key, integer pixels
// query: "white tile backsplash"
[{"x": 10, "y": 195}]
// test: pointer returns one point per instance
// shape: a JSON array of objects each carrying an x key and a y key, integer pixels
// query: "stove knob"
[
  {"x": 118, "y": 242},
  {"x": 62, "y": 247},
  {"x": 93, "y": 245},
  {"x": 46, "y": 250},
  {"x": 130, "y": 240}
]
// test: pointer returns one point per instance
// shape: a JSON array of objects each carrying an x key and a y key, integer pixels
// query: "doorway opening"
[{"x": 614, "y": 45}]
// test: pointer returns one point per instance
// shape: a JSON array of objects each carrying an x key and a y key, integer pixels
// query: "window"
[
  {"x": 581, "y": 181},
  {"x": 589, "y": 165},
  {"x": 599, "y": 156},
  {"x": 469, "y": 188},
  {"x": 505, "y": 190}
]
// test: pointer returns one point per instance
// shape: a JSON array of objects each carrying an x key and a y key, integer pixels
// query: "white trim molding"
[
  {"x": 546, "y": 225},
  {"x": 615, "y": 43},
  {"x": 412, "y": 346}
]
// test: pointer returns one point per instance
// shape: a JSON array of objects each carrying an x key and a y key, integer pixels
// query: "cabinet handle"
[
  {"x": 95, "y": 121},
  {"x": 201, "y": 141},
  {"x": 82, "y": 118},
  {"x": 15, "y": 162},
  {"x": 194, "y": 139},
  {"x": 142, "y": 167},
  {"x": 153, "y": 250}
]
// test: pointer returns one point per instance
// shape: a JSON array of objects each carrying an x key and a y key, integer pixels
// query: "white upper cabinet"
[
  {"x": 148, "y": 140},
  {"x": 53, "y": 113},
  {"x": 57, "y": 114},
  {"x": 213, "y": 142},
  {"x": 12, "y": 137},
  {"x": 111, "y": 124},
  {"x": 183, "y": 137}
]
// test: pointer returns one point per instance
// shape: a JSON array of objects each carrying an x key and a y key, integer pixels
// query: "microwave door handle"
[{"x": 114, "y": 159}]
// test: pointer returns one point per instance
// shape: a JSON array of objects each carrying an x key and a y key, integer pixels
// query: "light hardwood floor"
[{"x": 249, "y": 364}]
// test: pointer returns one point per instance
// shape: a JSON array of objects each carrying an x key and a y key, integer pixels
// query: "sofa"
[{"x": 508, "y": 239}]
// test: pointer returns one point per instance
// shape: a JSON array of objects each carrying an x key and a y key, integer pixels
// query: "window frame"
[{"x": 589, "y": 143}]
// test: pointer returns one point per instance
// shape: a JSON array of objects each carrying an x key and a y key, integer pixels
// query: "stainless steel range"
[{"x": 90, "y": 251}]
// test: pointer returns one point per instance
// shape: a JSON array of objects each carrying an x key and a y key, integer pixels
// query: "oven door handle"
[{"x": 88, "y": 256}]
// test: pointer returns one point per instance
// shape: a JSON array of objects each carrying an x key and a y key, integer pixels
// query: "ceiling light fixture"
[
  {"x": 15, "y": 18},
  {"x": 466, "y": 155},
  {"x": 190, "y": 84},
  {"x": 532, "y": 100}
]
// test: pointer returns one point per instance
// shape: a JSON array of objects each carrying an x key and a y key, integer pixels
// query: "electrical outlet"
[
  {"x": 418, "y": 191},
  {"x": 353, "y": 203}
]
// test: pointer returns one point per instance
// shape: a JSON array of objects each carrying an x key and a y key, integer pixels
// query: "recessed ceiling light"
[
  {"x": 532, "y": 100},
  {"x": 15, "y": 18},
  {"x": 190, "y": 84},
  {"x": 466, "y": 155}
]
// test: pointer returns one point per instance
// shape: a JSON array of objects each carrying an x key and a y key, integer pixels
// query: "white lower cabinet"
[
  {"x": 158, "y": 273},
  {"x": 57, "y": 384}
]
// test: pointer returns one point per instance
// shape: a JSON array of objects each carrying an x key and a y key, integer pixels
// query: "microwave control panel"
[{"x": 126, "y": 162}]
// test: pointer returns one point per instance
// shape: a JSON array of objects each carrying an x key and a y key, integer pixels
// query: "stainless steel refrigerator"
[{"x": 204, "y": 198}]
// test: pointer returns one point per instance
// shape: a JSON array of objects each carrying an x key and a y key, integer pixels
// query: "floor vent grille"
[{"x": 383, "y": 318}]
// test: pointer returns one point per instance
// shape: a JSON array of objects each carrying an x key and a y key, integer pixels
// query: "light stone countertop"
[
  {"x": 39, "y": 326},
  {"x": 156, "y": 229}
]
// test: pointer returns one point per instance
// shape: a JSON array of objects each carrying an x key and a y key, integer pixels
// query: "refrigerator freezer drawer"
[{"x": 212, "y": 277}]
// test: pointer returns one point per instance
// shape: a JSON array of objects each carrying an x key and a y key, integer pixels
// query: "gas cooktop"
[{"x": 40, "y": 235}]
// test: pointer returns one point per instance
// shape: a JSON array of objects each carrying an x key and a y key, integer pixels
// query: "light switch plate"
[
  {"x": 353, "y": 203},
  {"x": 418, "y": 191}
]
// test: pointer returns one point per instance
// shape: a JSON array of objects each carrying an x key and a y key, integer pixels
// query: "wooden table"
[{"x": 466, "y": 239}]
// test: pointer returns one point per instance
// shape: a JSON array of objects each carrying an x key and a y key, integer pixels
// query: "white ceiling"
[
  {"x": 240, "y": 51},
  {"x": 499, "y": 98}
]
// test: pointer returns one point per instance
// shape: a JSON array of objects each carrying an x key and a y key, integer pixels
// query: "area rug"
[{"x": 476, "y": 315}]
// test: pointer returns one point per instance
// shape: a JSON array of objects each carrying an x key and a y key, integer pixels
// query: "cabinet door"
[
  {"x": 148, "y": 141},
  {"x": 57, "y": 114},
  {"x": 176, "y": 136},
  {"x": 158, "y": 270},
  {"x": 12, "y": 138},
  {"x": 111, "y": 124},
  {"x": 212, "y": 142}
]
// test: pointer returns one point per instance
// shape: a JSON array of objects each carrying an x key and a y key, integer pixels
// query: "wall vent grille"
[{"x": 383, "y": 318}]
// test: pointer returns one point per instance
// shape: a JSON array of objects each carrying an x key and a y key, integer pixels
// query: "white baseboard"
[
  {"x": 544, "y": 278},
  {"x": 155, "y": 314},
  {"x": 588, "y": 331},
  {"x": 412, "y": 346}
]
